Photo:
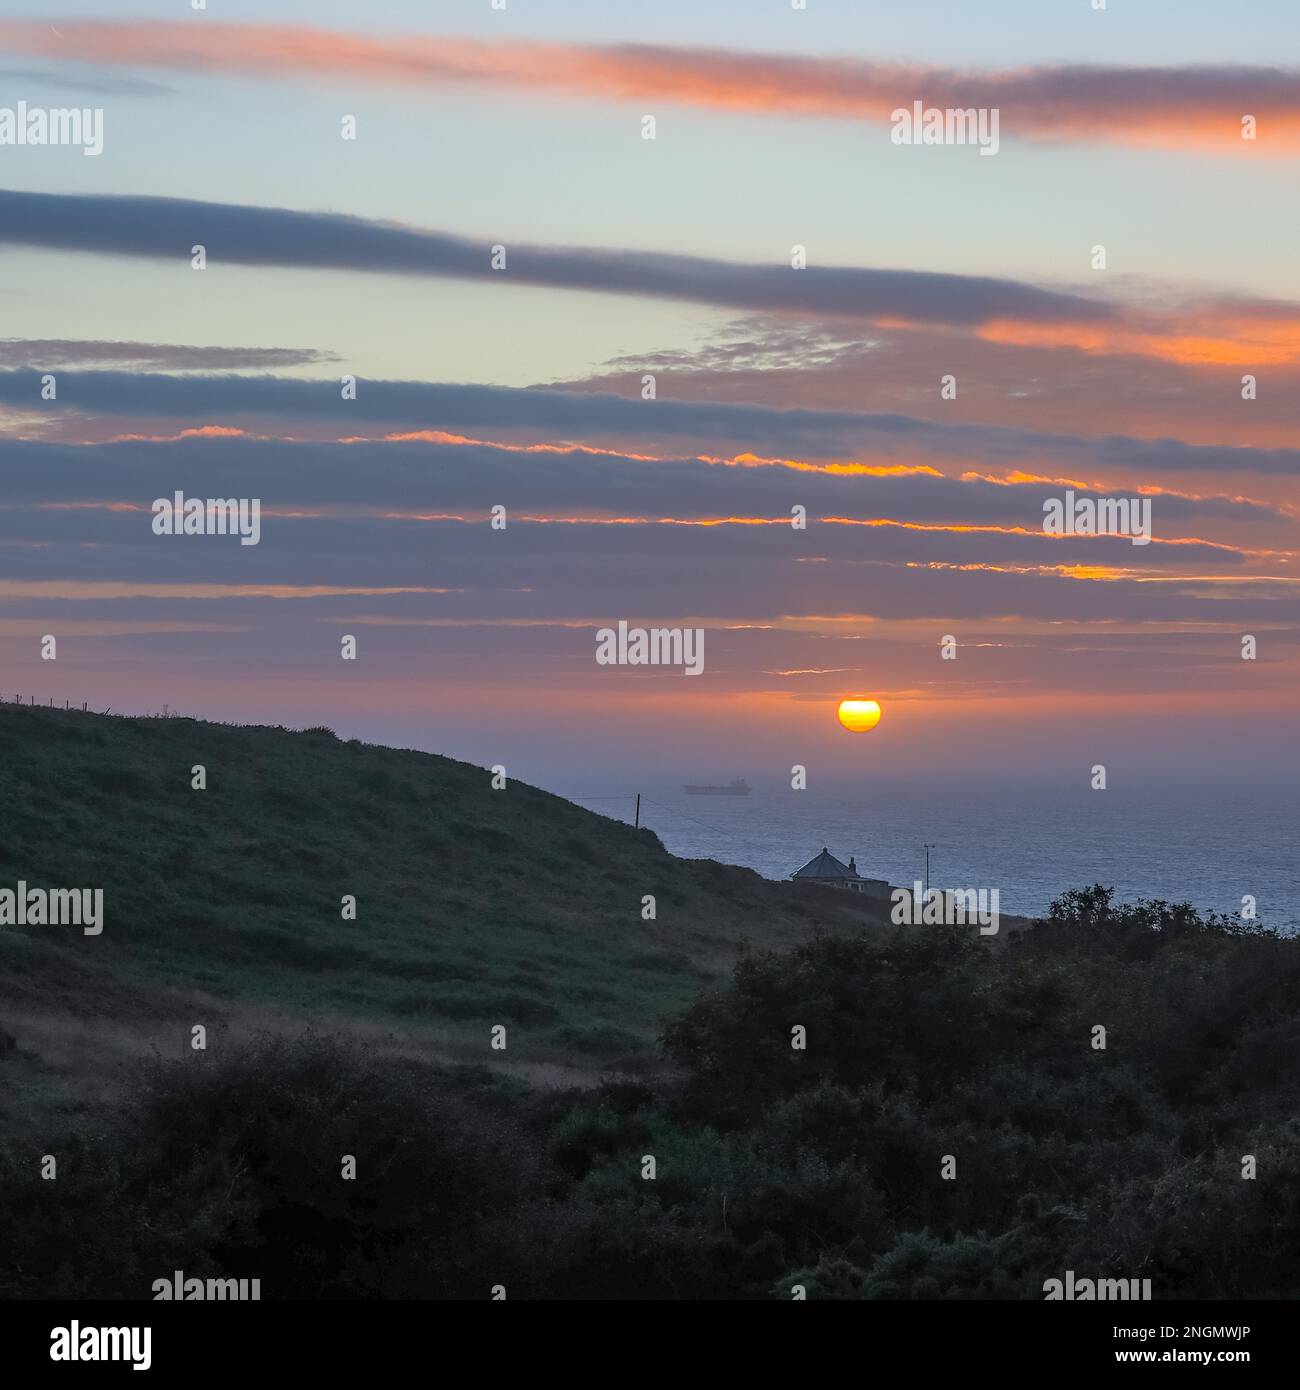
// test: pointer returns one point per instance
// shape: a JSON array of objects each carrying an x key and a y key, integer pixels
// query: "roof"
[{"x": 825, "y": 865}]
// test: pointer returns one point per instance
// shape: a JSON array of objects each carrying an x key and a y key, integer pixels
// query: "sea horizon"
[{"x": 1172, "y": 839}]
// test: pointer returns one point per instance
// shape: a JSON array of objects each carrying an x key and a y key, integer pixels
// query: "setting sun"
[{"x": 859, "y": 715}]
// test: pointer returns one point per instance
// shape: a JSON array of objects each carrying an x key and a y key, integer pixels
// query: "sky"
[{"x": 916, "y": 347}]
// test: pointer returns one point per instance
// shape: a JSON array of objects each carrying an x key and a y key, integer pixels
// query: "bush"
[
  {"x": 234, "y": 1168},
  {"x": 828, "y": 1166}
]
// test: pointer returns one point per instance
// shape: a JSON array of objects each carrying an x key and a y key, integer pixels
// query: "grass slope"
[{"x": 474, "y": 907}]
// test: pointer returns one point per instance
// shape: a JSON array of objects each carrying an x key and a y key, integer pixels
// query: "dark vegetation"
[{"x": 775, "y": 1166}]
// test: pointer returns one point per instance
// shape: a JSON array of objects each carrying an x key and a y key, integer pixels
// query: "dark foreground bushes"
[{"x": 953, "y": 1128}]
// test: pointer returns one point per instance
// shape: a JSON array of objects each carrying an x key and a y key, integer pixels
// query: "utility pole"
[
  {"x": 637, "y": 826},
  {"x": 928, "y": 848}
]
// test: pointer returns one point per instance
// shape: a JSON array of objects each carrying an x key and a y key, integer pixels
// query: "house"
[{"x": 831, "y": 873}]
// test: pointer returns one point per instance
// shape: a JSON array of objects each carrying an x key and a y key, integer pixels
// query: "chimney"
[{"x": 853, "y": 868}]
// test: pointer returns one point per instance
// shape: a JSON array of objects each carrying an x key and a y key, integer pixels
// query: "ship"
[{"x": 737, "y": 787}]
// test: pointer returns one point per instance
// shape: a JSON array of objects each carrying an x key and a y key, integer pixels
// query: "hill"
[{"x": 223, "y": 906}]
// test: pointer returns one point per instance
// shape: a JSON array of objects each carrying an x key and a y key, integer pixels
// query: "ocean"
[{"x": 1210, "y": 846}]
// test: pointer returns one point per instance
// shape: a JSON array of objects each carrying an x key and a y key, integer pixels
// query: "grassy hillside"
[{"x": 474, "y": 907}]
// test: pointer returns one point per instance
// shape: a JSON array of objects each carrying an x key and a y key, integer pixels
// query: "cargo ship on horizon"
[{"x": 736, "y": 787}]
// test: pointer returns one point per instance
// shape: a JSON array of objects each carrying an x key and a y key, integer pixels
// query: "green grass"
[{"x": 474, "y": 907}]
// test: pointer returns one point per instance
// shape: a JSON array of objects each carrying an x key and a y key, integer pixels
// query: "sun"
[{"x": 859, "y": 715}]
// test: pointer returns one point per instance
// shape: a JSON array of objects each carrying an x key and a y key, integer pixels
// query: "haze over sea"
[{"x": 1209, "y": 846}]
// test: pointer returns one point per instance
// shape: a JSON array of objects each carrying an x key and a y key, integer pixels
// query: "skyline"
[{"x": 775, "y": 388}]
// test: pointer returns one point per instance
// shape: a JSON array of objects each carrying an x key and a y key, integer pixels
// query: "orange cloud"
[
  {"x": 1238, "y": 339},
  {"x": 1195, "y": 108},
  {"x": 198, "y": 432}
]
